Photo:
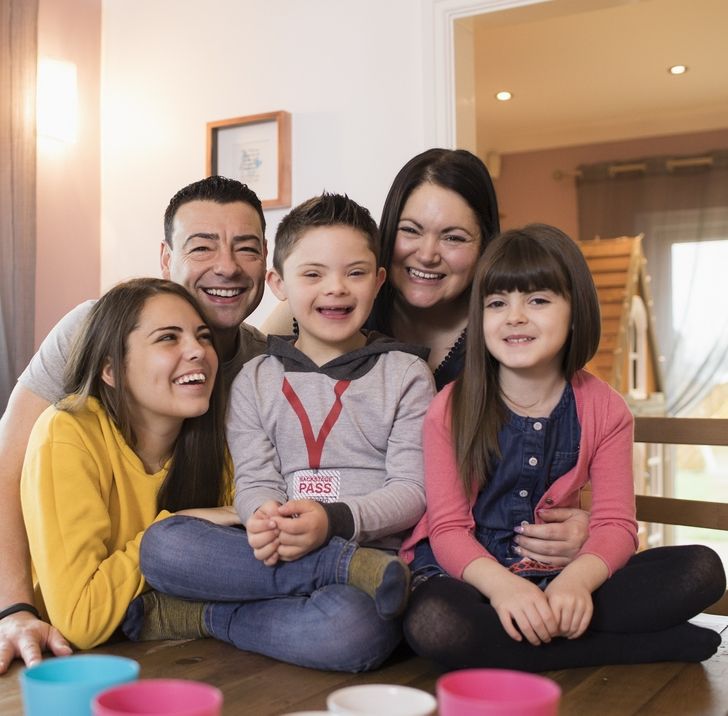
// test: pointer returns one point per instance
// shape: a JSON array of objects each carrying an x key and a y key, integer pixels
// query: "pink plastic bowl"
[
  {"x": 487, "y": 692},
  {"x": 159, "y": 697}
]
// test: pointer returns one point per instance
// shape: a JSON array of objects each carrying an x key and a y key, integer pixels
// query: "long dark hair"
[
  {"x": 454, "y": 169},
  {"x": 537, "y": 257},
  {"x": 196, "y": 474}
]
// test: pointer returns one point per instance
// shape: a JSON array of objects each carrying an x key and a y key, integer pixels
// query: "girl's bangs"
[{"x": 525, "y": 266}]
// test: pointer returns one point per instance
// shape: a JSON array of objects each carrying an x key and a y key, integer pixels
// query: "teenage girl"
[
  {"x": 140, "y": 437},
  {"x": 520, "y": 432}
]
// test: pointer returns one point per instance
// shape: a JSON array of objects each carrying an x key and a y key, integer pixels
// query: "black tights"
[{"x": 640, "y": 615}]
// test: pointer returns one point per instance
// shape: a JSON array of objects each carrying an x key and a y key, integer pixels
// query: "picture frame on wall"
[{"x": 255, "y": 150}]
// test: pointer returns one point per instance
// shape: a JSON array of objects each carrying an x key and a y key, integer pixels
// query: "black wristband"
[{"x": 19, "y": 607}]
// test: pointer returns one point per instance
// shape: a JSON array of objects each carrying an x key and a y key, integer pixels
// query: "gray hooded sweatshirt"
[{"x": 347, "y": 434}]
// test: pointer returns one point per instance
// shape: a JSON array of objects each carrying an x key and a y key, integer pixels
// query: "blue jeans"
[{"x": 302, "y": 612}]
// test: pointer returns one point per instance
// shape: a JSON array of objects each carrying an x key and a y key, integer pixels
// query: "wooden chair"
[{"x": 672, "y": 511}]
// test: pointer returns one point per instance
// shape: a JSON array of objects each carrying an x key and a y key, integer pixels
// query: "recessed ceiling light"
[
  {"x": 677, "y": 69},
  {"x": 503, "y": 96}
]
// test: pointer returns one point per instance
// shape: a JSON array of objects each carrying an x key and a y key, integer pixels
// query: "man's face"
[{"x": 218, "y": 254}]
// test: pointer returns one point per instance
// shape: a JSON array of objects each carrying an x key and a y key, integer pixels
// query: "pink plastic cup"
[
  {"x": 487, "y": 692},
  {"x": 159, "y": 697}
]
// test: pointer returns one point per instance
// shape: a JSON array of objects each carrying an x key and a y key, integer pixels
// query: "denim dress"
[{"x": 534, "y": 453}]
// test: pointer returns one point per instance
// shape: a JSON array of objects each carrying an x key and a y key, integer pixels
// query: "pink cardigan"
[{"x": 605, "y": 458}]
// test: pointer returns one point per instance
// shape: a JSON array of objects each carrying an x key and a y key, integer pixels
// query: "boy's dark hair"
[
  {"x": 455, "y": 169},
  {"x": 534, "y": 258},
  {"x": 219, "y": 189},
  {"x": 325, "y": 210},
  {"x": 196, "y": 474}
]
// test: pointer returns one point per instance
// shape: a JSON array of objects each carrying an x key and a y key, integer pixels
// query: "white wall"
[{"x": 350, "y": 73}]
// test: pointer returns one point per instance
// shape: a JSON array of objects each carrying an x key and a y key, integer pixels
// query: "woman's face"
[
  {"x": 436, "y": 248},
  {"x": 170, "y": 362}
]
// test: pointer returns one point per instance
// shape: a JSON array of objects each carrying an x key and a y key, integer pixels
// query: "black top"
[{"x": 451, "y": 365}]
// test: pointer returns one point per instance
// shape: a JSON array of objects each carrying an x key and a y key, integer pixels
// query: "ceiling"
[{"x": 586, "y": 71}]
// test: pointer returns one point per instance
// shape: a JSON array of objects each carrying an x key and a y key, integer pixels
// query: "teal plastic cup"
[{"x": 65, "y": 686}]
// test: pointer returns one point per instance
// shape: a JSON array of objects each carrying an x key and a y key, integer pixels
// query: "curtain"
[
  {"x": 681, "y": 206},
  {"x": 18, "y": 61}
]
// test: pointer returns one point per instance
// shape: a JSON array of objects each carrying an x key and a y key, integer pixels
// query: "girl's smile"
[
  {"x": 170, "y": 363},
  {"x": 526, "y": 331}
]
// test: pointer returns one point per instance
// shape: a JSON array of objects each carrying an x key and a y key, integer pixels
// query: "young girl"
[
  {"x": 134, "y": 442},
  {"x": 521, "y": 432}
]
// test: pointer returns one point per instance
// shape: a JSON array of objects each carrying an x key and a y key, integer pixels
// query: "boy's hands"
[
  {"x": 262, "y": 529},
  {"x": 286, "y": 532},
  {"x": 303, "y": 526}
]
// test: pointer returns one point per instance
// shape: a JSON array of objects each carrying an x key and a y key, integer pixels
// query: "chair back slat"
[
  {"x": 681, "y": 431},
  {"x": 673, "y": 511}
]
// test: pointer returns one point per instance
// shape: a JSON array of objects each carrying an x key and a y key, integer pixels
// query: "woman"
[
  {"x": 139, "y": 437},
  {"x": 440, "y": 213}
]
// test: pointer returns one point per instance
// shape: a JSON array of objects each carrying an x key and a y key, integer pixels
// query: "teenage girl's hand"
[
  {"x": 262, "y": 529},
  {"x": 559, "y": 540},
  {"x": 515, "y": 599},
  {"x": 303, "y": 526},
  {"x": 225, "y": 516}
]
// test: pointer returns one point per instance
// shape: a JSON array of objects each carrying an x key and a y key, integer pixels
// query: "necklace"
[
  {"x": 454, "y": 348},
  {"x": 546, "y": 402},
  {"x": 518, "y": 405}
]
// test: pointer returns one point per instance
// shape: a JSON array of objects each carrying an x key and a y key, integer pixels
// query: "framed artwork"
[{"x": 255, "y": 150}]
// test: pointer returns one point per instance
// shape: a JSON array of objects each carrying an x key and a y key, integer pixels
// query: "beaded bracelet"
[{"x": 19, "y": 607}]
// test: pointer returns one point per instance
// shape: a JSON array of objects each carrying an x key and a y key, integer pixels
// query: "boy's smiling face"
[{"x": 330, "y": 280}]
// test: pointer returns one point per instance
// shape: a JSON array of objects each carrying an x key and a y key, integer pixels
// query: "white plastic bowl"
[{"x": 380, "y": 699}]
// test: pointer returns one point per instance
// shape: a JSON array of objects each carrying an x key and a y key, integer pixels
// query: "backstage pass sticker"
[{"x": 319, "y": 485}]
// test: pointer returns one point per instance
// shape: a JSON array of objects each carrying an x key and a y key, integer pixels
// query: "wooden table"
[{"x": 260, "y": 686}]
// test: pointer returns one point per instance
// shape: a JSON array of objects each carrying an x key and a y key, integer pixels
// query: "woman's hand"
[
  {"x": 515, "y": 599},
  {"x": 559, "y": 540}
]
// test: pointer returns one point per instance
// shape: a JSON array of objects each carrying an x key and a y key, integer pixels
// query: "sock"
[
  {"x": 153, "y": 616},
  {"x": 384, "y": 577}
]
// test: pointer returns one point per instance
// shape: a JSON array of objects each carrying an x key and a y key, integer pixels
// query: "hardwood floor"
[{"x": 259, "y": 686}]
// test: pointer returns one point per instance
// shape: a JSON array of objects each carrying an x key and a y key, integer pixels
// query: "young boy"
[
  {"x": 325, "y": 434},
  {"x": 325, "y": 428}
]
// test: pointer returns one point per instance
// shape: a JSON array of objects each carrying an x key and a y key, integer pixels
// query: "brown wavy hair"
[{"x": 196, "y": 474}]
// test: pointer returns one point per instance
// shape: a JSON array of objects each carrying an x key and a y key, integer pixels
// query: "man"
[{"x": 214, "y": 245}]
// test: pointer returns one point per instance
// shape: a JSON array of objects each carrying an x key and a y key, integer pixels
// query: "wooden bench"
[{"x": 673, "y": 511}]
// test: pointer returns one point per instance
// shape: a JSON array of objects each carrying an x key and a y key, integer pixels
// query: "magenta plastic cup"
[
  {"x": 160, "y": 697},
  {"x": 487, "y": 692},
  {"x": 66, "y": 685}
]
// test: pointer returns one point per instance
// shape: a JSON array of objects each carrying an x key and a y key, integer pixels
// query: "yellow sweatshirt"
[{"x": 86, "y": 503}]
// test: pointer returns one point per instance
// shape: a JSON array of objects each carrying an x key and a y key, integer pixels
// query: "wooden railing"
[{"x": 673, "y": 511}]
